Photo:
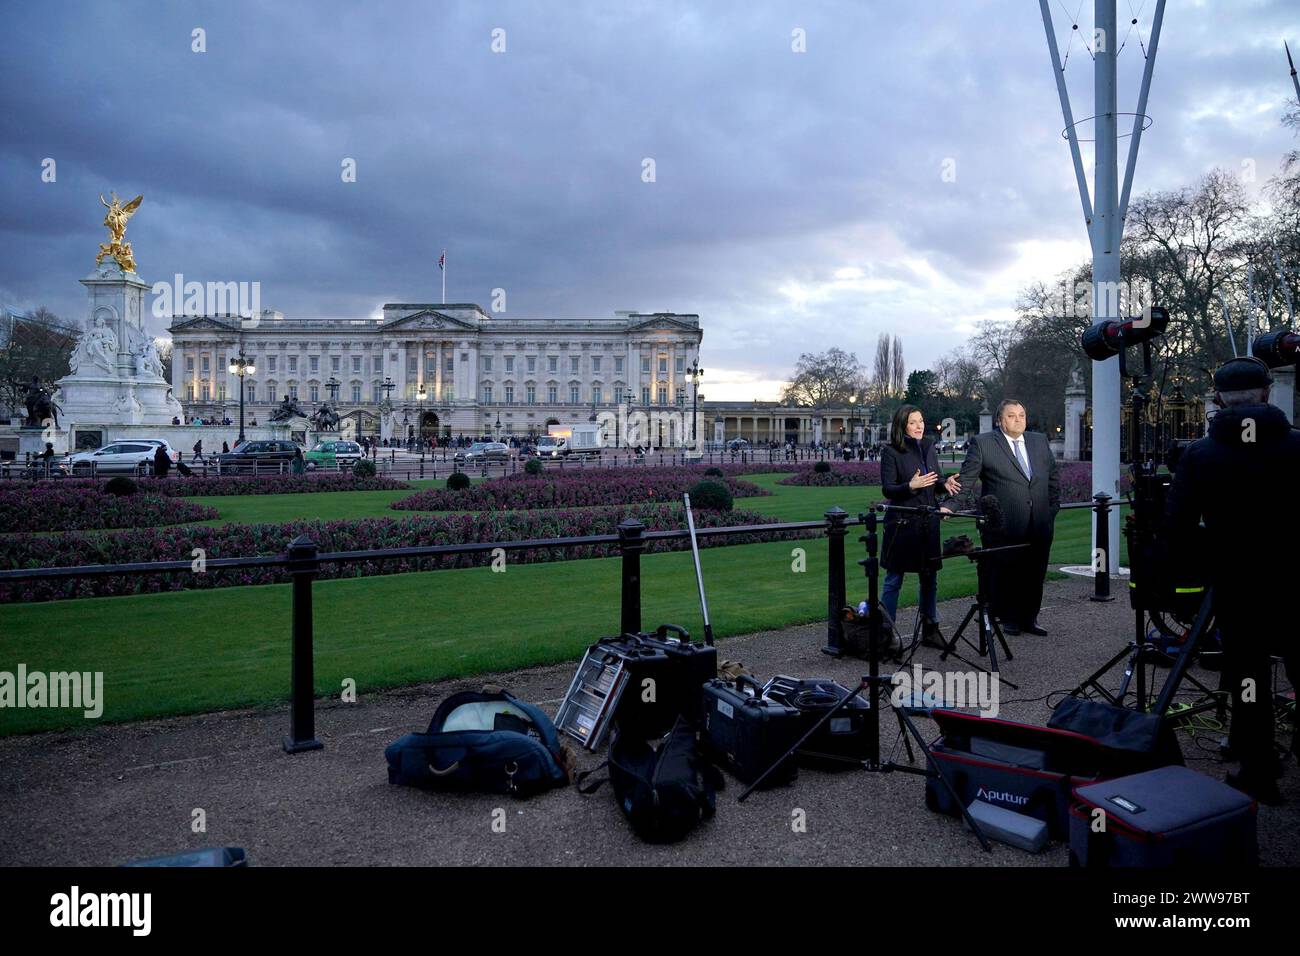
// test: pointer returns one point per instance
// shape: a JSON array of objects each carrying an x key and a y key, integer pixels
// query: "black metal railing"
[{"x": 302, "y": 560}]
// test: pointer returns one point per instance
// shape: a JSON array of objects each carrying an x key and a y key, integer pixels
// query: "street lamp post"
[
  {"x": 695, "y": 372},
  {"x": 386, "y": 408},
  {"x": 241, "y": 366},
  {"x": 332, "y": 387}
]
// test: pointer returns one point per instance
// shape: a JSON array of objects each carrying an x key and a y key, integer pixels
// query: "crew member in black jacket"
[
  {"x": 1252, "y": 554},
  {"x": 909, "y": 475}
]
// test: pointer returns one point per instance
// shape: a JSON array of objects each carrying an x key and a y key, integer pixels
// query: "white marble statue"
[{"x": 96, "y": 347}]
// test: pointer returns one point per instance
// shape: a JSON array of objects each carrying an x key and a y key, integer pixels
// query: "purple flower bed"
[
  {"x": 177, "y": 487},
  {"x": 841, "y": 473},
  {"x": 571, "y": 489},
  {"x": 231, "y": 540},
  {"x": 68, "y": 508}
]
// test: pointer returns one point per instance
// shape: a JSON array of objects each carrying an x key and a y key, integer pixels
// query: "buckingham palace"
[{"x": 423, "y": 370}]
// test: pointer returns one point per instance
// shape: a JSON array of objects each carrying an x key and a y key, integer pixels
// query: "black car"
[{"x": 260, "y": 457}]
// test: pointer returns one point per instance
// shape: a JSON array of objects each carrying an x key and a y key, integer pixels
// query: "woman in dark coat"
[{"x": 910, "y": 477}]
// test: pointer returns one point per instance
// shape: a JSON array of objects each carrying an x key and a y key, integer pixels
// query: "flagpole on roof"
[{"x": 442, "y": 267}]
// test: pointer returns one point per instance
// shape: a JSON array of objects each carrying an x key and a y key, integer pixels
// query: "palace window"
[
  {"x": 189, "y": 363},
  {"x": 681, "y": 396},
  {"x": 315, "y": 363},
  {"x": 313, "y": 393},
  {"x": 551, "y": 394},
  {"x": 532, "y": 363},
  {"x": 645, "y": 396},
  {"x": 574, "y": 398},
  {"x": 293, "y": 363},
  {"x": 206, "y": 366},
  {"x": 618, "y": 394},
  {"x": 510, "y": 363},
  {"x": 595, "y": 394},
  {"x": 663, "y": 365},
  {"x": 618, "y": 365},
  {"x": 334, "y": 363},
  {"x": 574, "y": 364},
  {"x": 270, "y": 363},
  {"x": 450, "y": 365},
  {"x": 379, "y": 364},
  {"x": 293, "y": 392},
  {"x": 356, "y": 364},
  {"x": 552, "y": 363},
  {"x": 645, "y": 364},
  {"x": 510, "y": 394},
  {"x": 411, "y": 367},
  {"x": 356, "y": 392},
  {"x": 595, "y": 363},
  {"x": 376, "y": 393},
  {"x": 487, "y": 363},
  {"x": 531, "y": 392},
  {"x": 204, "y": 392},
  {"x": 681, "y": 366},
  {"x": 663, "y": 395},
  {"x": 487, "y": 394}
]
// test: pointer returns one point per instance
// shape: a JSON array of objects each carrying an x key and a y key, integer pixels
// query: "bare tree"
[
  {"x": 824, "y": 380},
  {"x": 897, "y": 371}
]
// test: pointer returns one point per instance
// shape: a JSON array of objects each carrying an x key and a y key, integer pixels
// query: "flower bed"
[
  {"x": 177, "y": 487},
  {"x": 571, "y": 489},
  {"x": 68, "y": 508},
  {"x": 841, "y": 473},
  {"x": 231, "y": 540}
]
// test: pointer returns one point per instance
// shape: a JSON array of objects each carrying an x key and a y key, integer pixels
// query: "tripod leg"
[
  {"x": 907, "y": 741},
  {"x": 938, "y": 772},
  {"x": 997, "y": 631},
  {"x": 952, "y": 641}
]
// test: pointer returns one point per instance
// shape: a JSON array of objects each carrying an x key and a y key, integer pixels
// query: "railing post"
[
  {"x": 836, "y": 531},
  {"x": 631, "y": 544},
  {"x": 302, "y": 716},
  {"x": 1102, "y": 560}
]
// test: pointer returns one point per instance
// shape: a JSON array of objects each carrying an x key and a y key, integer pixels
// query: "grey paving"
[{"x": 114, "y": 793}]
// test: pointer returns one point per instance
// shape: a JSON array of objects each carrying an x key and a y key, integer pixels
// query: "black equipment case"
[
  {"x": 1019, "y": 767},
  {"x": 1171, "y": 816},
  {"x": 691, "y": 666},
  {"x": 842, "y": 741},
  {"x": 747, "y": 732}
]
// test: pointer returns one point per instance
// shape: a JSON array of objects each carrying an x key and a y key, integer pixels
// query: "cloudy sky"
[{"x": 905, "y": 173}]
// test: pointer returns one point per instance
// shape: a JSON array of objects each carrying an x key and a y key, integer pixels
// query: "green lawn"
[{"x": 196, "y": 651}]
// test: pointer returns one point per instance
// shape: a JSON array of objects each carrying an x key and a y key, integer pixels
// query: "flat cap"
[{"x": 1239, "y": 374}]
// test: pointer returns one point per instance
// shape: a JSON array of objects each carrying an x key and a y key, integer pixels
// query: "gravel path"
[{"x": 115, "y": 793}]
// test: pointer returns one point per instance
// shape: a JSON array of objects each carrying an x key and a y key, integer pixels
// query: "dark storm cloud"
[{"x": 776, "y": 171}]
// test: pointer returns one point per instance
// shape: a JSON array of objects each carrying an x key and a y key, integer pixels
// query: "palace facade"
[{"x": 437, "y": 370}]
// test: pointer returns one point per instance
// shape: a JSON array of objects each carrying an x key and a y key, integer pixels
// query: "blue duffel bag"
[{"x": 485, "y": 741}]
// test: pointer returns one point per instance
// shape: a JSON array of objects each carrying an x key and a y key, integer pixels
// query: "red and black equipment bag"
[
  {"x": 746, "y": 732},
  {"x": 1020, "y": 767},
  {"x": 1171, "y": 816}
]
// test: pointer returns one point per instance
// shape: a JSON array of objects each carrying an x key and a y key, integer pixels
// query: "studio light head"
[
  {"x": 1113, "y": 336},
  {"x": 1276, "y": 349}
]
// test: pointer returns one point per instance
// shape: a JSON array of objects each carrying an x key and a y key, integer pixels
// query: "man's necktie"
[{"x": 1020, "y": 457}]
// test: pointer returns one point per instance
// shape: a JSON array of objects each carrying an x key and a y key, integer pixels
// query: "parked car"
[
  {"x": 334, "y": 454},
  {"x": 119, "y": 457},
  {"x": 482, "y": 451},
  {"x": 259, "y": 456}
]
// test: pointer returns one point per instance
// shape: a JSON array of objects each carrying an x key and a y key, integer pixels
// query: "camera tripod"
[
  {"x": 875, "y": 686},
  {"x": 987, "y": 626}
]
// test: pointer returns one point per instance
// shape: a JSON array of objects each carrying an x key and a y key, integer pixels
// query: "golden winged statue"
[{"x": 115, "y": 220}]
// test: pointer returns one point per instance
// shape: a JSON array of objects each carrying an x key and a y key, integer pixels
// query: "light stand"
[
  {"x": 873, "y": 683},
  {"x": 241, "y": 366}
]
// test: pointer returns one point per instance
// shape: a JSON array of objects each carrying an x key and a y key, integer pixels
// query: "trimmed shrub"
[
  {"x": 533, "y": 466},
  {"x": 822, "y": 467},
  {"x": 711, "y": 495},
  {"x": 363, "y": 469},
  {"x": 120, "y": 486},
  {"x": 458, "y": 481},
  {"x": 713, "y": 472}
]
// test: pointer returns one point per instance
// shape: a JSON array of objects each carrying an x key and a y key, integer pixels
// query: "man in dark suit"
[{"x": 1017, "y": 468}]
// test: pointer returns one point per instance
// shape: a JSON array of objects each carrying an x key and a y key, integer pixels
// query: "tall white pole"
[
  {"x": 1105, "y": 233},
  {"x": 442, "y": 267}
]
